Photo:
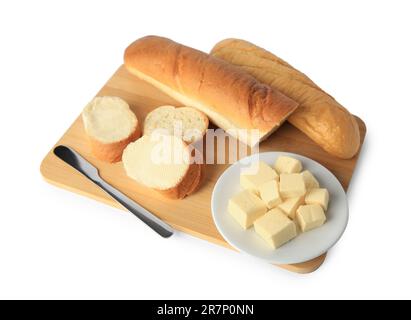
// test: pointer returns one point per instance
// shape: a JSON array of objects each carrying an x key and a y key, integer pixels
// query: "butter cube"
[
  {"x": 256, "y": 175},
  {"x": 292, "y": 185},
  {"x": 275, "y": 228},
  {"x": 245, "y": 208},
  {"x": 310, "y": 216},
  {"x": 288, "y": 165},
  {"x": 309, "y": 180},
  {"x": 290, "y": 206},
  {"x": 318, "y": 196},
  {"x": 270, "y": 194}
]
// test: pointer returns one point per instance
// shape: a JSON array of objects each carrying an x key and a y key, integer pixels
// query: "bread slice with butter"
[
  {"x": 163, "y": 163},
  {"x": 110, "y": 126},
  {"x": 188, "y": 123}
]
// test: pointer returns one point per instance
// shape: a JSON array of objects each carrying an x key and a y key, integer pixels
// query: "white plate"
[{"x": 306, "y": 246}]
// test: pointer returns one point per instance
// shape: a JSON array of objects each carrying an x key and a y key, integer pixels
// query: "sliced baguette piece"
[
  {"x": 231, "y": 98},
  {"x": 110, "y": 126},
  {"x": 163, "y": 163},
  {"x": 188, "y": 123},
  {"x": 319, "y": 115}
]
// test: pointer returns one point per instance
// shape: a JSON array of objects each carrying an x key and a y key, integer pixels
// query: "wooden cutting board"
[{"x": 193, "y": 214}]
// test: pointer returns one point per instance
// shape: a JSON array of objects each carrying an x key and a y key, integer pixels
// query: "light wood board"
[{"x": 191, "y": 215}]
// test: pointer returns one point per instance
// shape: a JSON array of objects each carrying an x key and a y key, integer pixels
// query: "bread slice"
[
  {"x": 186, "y": 122},
  {"x": 319, "y": 115},
  {"x": 110, "y": 126},
  {"x": 163, "y": 163},
  {"x": 231, "y": 98}
]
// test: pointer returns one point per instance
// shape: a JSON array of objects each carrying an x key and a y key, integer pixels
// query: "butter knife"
[{"x": 75, "y": 160}]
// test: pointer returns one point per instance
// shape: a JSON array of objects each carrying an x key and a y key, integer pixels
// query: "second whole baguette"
[{"x": 319, "y": 115}]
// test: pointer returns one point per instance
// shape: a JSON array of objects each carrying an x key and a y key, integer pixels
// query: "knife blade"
[{"x": 75, "y": 160}]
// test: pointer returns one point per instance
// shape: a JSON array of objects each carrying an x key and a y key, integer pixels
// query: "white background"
[{"x": 55, "y": 55}]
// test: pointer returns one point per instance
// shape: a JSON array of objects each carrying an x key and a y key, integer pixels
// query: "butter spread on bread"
[
  {"x": 110, "y": 126},
  {"x": 163, "y": 164},
  {"x": 319, "y": 115},
  {"x": 228, "y": 95}
]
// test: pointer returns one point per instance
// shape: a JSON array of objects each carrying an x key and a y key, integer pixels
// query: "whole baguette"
[
  {"x": 319, "y": 115},
  {"x": 229, "y": 96}
]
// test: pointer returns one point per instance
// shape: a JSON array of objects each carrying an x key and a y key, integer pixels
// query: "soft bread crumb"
[
  {"x": 187, "y": 123},
  {"x": 157, "y": 162},
  {"x": 109, "y": 119}
]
